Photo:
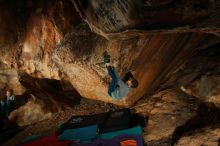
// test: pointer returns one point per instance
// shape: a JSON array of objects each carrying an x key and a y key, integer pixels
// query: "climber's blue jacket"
[{"x": 122, "y": 88}]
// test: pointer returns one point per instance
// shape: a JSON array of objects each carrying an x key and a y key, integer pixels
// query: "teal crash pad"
[
  {"x": 82, "y": 134},
  {"x": 137, "y": 130}
]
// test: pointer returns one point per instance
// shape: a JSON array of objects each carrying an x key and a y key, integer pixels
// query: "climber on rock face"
[{"x": 118, "y": 88}]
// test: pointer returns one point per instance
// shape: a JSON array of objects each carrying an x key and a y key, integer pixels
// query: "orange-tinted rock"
[
  {"x": 149, "y": 57},
  {"x": 52, "y": 46},
  {"x": 9, "y": 79}
]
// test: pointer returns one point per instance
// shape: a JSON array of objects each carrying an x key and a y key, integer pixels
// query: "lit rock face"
[
  {"x": 29, "y": 32},
  {"x": 149, "y": 57},
  {"x": 48, "y": 44},
  {"x": 176, "y": 118},
  {"x": 38, "y": 26},
  {"x": 45, "y": 29},
  {"x": 207, "y": 136},
  {"x": 33, "y": 111},
  {"x": 9, "y": 79}
]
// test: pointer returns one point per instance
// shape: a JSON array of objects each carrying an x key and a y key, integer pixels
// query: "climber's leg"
[
  {"x": 111, "y": 72},
  {"x": 112, "y": 85}
]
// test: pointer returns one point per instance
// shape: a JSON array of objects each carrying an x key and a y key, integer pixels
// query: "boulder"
[
  {"x": 208, "y": 136},
  {"x": 206, "y": 88},
  {"x": 32, "y": 112},
  {"x": 167, "y": 111}
]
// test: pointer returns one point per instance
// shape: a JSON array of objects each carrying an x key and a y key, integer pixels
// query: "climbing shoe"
[{"x": 106, "y": 57}]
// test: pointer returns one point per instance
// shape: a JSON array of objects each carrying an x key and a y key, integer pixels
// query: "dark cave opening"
[
  {"x": 61, "y": 91},
  {"x": 84, "y": 3}
]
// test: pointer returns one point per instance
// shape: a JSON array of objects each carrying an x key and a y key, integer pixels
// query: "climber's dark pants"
[
  {"x": 6, "y": 107},
  {"x": 9, "y": 106},
  {"x": 112, "y": 85},
  {"x": 3, "y": 108}
]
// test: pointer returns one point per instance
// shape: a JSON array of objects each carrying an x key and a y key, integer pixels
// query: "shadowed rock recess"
[{"x": 51, "y": 56}]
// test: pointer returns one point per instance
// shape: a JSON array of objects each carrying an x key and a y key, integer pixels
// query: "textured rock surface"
[
  {"x": 167, "y": 110},
  {"x": 76, "y": 58},
  {"x": 33, "y": 111},
  {"x": 38, "y": 103},
  {"x": 111, "y": 16},
  {"x": 29, "y": 32},
  {"x": 199, "y": 76},
  {"x": 207, "y": 88},
  {"x": 9, "y": 78},
  {"x": 176, "y": 117},
  {"x": 207, "y": 137}
]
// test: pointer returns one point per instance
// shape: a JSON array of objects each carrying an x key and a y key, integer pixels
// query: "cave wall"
[
  {"x": 33, "y": 26},
  {"x": 60, "y": 46},
  {"x": 28, "y": 28},
  {"x": 112, "y": 16}
]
